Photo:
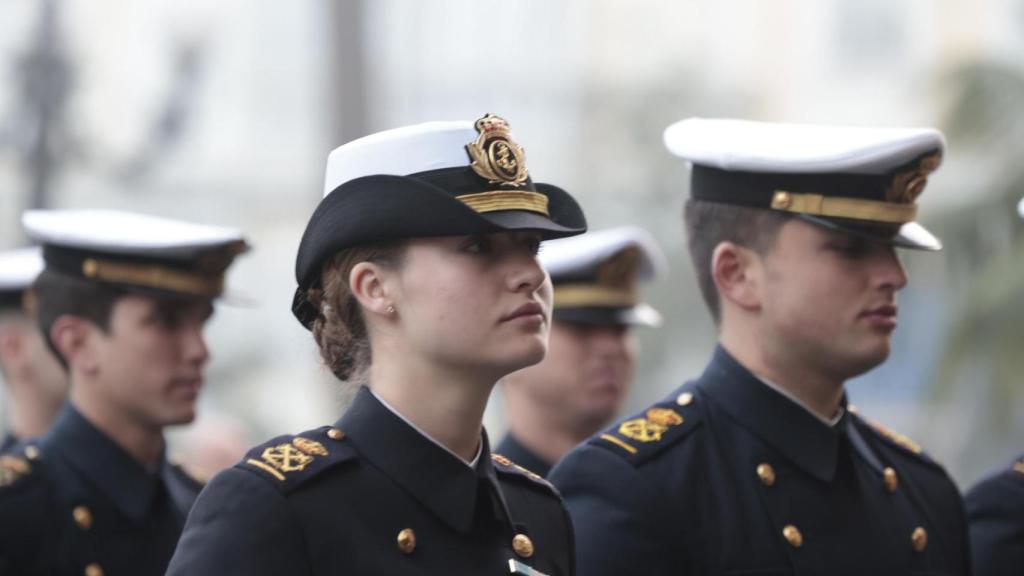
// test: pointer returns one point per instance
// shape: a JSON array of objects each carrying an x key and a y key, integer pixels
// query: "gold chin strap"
[
  {"x": 154, "y": 276},
  {"x": 497, "y": 200},
  {"x": 581, "y": 295},
  {"x": 854, "y": 208}
]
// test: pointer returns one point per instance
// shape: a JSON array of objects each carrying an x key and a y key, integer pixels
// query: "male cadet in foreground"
[
  {"x": 995, "y": 510},
  {"x": 35, "y": 383},
  {"x": 123, "y": 300},
  {"x": 579, "y": 386},
  {"x": 758, "y": 466}
]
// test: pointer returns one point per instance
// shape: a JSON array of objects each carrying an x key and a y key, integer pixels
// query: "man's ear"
[
  {"x": 368, "y": 283},
  {"x": 737, "y": 272},
  {"x": 71, "y": 337}
]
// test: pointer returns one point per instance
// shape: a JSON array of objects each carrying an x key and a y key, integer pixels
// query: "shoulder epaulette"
[
  {"x": 288, "y": 461},
  {"x": 13, "y": 469},
  {"x": 898, "y": 440},
  {"x": 656, "y": 428},
  {"x": 503, "y": 464}
]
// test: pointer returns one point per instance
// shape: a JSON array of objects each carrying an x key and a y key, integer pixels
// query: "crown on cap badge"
[
  {"x": 907, "y": 186},
  {"x": 495, "y": 155}
]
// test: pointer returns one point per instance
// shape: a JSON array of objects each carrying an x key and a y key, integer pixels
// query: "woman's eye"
[{"x": 534, "y": 245}]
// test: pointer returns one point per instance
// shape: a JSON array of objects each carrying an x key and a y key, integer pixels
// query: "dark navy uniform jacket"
[
  {"x": 728, "y": 476},
  {"x": 372, "y": 495},
  {"x": 511, "y": 448},
  {"x": 73, "y": 502},
  {"x": 995, "y": 509}
]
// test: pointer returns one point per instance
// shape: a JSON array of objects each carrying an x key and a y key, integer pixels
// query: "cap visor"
[
  {"x": 639, "y": 315},
  {"x": 520, "y": 220},
  {"x": 910, "y": 235}
]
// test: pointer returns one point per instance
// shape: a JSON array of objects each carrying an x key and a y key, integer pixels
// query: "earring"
[{"x": 390, "y": 310}]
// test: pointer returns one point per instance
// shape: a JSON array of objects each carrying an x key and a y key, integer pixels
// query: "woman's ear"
[
  {"x": 71, "y": 337},
  {"x": 369, "y": 285},
  {"x": 736, "y": 271}
]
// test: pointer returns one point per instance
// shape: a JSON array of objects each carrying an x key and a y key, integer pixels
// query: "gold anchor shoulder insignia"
[
  {"x": 288, "y": 457},
  {"x": 495, "y": 156},
  {"x": 12, "y": 468},
  {"x": 504, "y": 461},
  {"x": 656, "y": 421},
  {"x": 311, "y": 447},
  {"x": 897, "y": 438}
]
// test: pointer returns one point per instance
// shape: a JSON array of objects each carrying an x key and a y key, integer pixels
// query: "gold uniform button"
[
  {"x": 32, "y": 453},
  {"x": 522, "y": 545},
  {"x": 793, "y": 536},
  {"x": 919, "y": 539},
  {"x": 890, "y": 479},
  {"x": 335, "y": 434},
  {"x": 782, "y": 200},
  {"x": 93, "y": 569},
  {"x": 90, "y": 268},
  {"x": 406, "y": 541},
  {"x": 82, "y": 516},
  {"x": 684, "y": 399},
  {"x": 766, "y": 473}
]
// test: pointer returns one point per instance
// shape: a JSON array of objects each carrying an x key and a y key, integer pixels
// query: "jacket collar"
[
  {"x": 435, "y": 477},
  {"x": 513, "y": 449},
  {"x": 789, "y": 428},
  {"x": 104, "y": 464}
]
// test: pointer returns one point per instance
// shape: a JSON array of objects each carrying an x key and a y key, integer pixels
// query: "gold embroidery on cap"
[
  {"x": 154, "y": 277},
  {"x": 837, "y": 207},
  {"x": 614, "y": 284},
  {"x": 495, "y": 155},
  {"x": 907, "y": 186},
  {"x": 576, "y": 295},
  {"x": 494, "y": 201}
]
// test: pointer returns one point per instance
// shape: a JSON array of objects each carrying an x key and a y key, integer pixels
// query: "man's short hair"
[
  {"x": 58, "y": 294},
  {"x": 708, "y": 224}
]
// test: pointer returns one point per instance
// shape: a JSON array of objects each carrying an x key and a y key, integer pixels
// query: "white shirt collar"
[
  {"x": 830, "y": 422},
  {"x": 479, "y": 449}
]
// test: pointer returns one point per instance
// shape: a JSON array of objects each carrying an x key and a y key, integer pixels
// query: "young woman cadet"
[{"x": 418, "y": 278}]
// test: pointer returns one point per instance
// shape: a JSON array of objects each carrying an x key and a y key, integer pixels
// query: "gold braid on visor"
[
  {"x": 483, "y": 202},
  {"x": 160, "y": 277},
  {"x": 582, "y": 295},
  {"x": 853, "y": 208}
]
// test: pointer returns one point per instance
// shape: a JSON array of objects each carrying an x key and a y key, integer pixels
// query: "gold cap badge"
[
  {"x": 907, "y": 186},
  {"x": 495, "y": 156}
]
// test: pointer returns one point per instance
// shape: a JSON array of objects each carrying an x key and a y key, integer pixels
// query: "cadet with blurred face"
[
  {"x": 123, "y": 300},
  {"x": 35, "y": 383},
  {"x": 995, "y": 509},
  {"x": 760, "y": 466},
  {"x": 580, "y": 385}
]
